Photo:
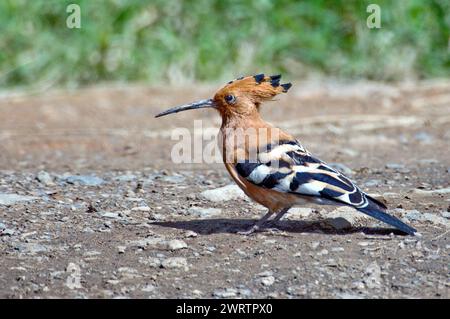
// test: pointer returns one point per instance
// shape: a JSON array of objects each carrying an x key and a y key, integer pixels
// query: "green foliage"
[{"x": 172, "y": 41}]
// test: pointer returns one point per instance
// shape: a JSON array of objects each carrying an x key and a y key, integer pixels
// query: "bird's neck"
[
  {"x": 241, "y": 137},
  {"x": 243, "y": 121}
]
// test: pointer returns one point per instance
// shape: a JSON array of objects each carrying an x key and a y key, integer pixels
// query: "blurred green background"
[{"x": 169, "y": 41}]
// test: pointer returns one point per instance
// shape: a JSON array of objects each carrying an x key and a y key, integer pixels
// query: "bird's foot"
[
  {"x": 256, "y": 228},
  {"x": 250, "y": 231}
]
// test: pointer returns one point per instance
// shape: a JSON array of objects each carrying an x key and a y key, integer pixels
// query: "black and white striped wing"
[{"x": 289, "y": 168}]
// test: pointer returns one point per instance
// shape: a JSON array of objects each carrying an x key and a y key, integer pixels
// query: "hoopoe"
[{"x": 270, "y": 165}]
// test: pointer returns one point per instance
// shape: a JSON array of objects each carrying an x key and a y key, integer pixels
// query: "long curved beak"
[{"x": 196, "y": 105}]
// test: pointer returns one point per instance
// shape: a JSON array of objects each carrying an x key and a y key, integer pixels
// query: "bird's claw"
[{"x": 249, "y": 231}]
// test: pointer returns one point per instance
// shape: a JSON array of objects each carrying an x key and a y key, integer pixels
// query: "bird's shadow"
[{"x": 232, "y": 226}]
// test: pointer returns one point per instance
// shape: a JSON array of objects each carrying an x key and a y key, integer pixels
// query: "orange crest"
[{"x": 246, "y": 93}]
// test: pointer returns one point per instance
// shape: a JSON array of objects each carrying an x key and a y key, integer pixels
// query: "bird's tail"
[{"x": 378, "y": 212}]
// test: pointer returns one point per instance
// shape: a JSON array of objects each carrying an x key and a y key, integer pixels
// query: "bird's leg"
[
  {"x": 280, "y": 214},
  {"x": 258, "y": 224}
]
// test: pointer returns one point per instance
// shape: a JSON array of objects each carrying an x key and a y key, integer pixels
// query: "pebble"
[
  {"x": 150, "y": 261},
  {"x": 176, "y": 244},
  {"x": 6, "y": 232},
  {"x": 11, "y": 199},
  {"x": 148, "y": 288},
  {"x": 225, "y": 293},
  {"x": 322, "y": 252},
  {"x": 225, "y": 193},
  {"x": 45, "y": 178},
  {"x": 141, "y": 209},
  {"x": 87, "y": 180},
  {"x": 190, "y": 234},
  {"x": 175, "y": 179},
  {"x": 373, "y": 276},
  {"x": 296, "y": 290},
  {"x": 204, "y": 212},
  {"x": 344, "y": 218},
  {"x": 338, "y": 223},
  {"x": 314, "y": 245},
  {"x": 395, "y": 166},
  {"x": 31, "y": 248},
  {"x": 125, "y": 178},
  {"x": 364, "y": 243},
  {"x": 175, "y": 262},
  {"x": 110, "y": 215},
  {"x": 372, "y": 183},
  {"x": 268, "y": 281}
]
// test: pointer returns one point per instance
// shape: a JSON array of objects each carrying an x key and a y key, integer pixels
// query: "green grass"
[{"x": 162, "y": 41}]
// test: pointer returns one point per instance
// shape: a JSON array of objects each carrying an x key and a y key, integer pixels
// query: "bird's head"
[{"x": 241, "y": 97}]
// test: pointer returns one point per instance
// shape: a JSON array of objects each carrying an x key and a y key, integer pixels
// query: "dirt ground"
[{"x": 91, "y": 205}]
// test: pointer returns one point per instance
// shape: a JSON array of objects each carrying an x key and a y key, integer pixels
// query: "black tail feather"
[{"x": 374, "y": 210}]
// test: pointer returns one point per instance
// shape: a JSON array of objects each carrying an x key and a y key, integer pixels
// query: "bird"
[{"x": 271, "y": 166}]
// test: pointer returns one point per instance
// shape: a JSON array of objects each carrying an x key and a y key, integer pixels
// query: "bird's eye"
[{"x": 230, "y": 98}]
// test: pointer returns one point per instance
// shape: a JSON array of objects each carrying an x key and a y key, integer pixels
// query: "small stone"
[
  {"x": 225, "y": 293},
  {"x": 125, "y": 178},
  {"x": 148, "y": 288},
  {"x": 344, "y": 218},
  {"x": 268, "y": 281},
  {"x": 111, "y": 215},
  {"x": 339, "y": 223},
  {"x": 190, "y": 234},
  {"x": 372, "y": 183},
  {"x": 141, "y": 209},
  {"x": 204, "y": 212},
  {"x": 225, "y": 193},
  {"x": 395, "y": 166},
  {"x": 373, "y": 276},
  {"x": 121, "y": 249},
  {"x": 6, "y": 232},
  {"x": 296, "y": 290},
  {"x": 337, "y": 249},
  {"x": 86, "y": 180},
  {"x": 358, "y": 285},
  {"x": 45, "y": 178},
  {"x": 314, "y": 245},
  {"x": 11, "y": 199},
  {"x": 175, "y": 179},
  {"x": 322, "y": 252},
  {"x": 176, "y": 244},
  {"x": 175, "y": 262},
  {"x": 150, "y": 261},
  {"x": 31, "y": 248},
  {"x": 363, "y": 243}
]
